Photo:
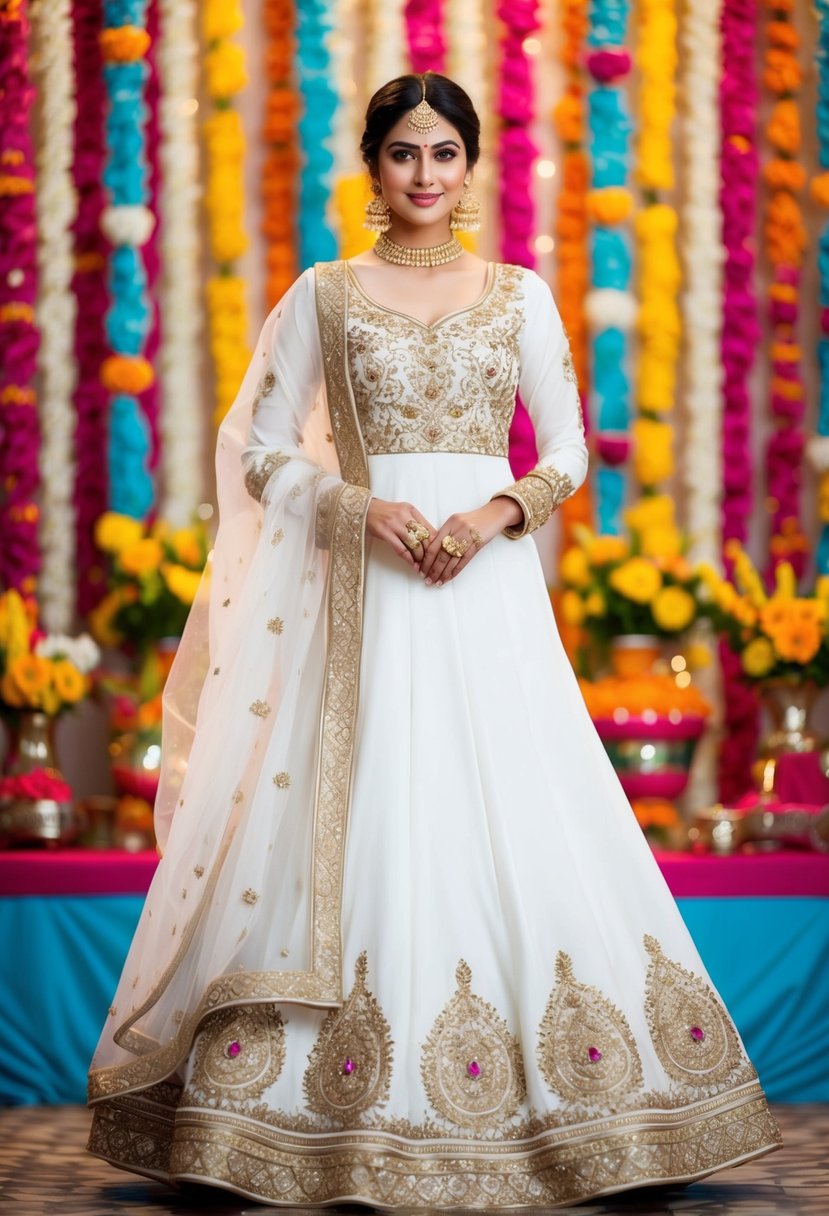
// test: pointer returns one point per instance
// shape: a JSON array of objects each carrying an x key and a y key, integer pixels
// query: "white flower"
[
  {"x": 81, "y": 651},
  {"x": 127, "y": 224},
  {"x": 607, "y": 308}
]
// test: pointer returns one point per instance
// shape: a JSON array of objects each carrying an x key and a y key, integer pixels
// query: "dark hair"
[{"x": 393, "y": 100}]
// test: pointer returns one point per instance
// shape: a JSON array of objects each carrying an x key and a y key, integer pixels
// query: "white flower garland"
[
  {"x": 386, "y": 52},
  {"x": 702, "y": 255},
  {"x": 347, "y": 126},
  {"x": 183, "y": 408},
  {"x": 465, "y": 34},
  {"x": 56, "y": 309},
  {"x": 701, "y": 249}
]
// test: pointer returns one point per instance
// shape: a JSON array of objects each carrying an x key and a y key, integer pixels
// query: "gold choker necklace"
[{"x": 407, "y": 255}]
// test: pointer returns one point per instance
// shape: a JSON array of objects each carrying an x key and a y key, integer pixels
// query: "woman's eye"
[
  {"x": 401, "y": 154},
  {"x": 446, "y": 154}
]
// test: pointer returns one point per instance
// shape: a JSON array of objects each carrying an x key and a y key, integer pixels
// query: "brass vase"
[
  {"x": 34, "y": 821},
  {"x": 789, "y": 706}
]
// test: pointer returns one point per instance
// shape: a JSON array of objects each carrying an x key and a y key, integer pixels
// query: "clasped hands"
[{"x": 470, "y": 530}]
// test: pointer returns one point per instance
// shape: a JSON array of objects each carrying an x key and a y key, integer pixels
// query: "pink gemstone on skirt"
[
  {"x": 233, "y": 1048},
  {"x": 697, "y": 1034},
  {"x": 473, "y": 1068},
  {"x": 348, "y": 1066},
  {"x": 594, "y": 1054}
]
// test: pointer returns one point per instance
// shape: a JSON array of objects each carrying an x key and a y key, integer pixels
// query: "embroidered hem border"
[{"x": 144, "y": 1133}]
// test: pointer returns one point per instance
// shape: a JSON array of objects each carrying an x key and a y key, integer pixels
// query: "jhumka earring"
[
  {"x": 378, "y": 212},
  {"x": 466, "y": 214}
]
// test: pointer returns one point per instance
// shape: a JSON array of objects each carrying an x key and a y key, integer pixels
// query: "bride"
[{"x": 406, "y": 946}]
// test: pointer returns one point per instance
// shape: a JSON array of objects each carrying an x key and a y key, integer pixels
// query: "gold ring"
[
  {"x": 476, "y": 537},
  {"x": 454, "y": 547},
  {"x": 418, "y": 530},
  {"x": 410, "y": 541}
]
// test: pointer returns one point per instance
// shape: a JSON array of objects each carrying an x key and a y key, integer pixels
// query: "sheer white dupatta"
[{"x": 259, "y": 712}]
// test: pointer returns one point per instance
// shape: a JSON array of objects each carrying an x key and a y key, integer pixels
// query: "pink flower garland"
[
  {"x": 19, "y": 339},
  {"x": 517, "y": 154},
  {"x": 740, "y": 337},
  {"x": 90, "y": 287},
  {"x": 424, "y": 34},
  {"x": 150, "y": 399}
]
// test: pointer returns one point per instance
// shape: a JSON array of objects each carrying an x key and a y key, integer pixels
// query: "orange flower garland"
[
  {"x": 282, "y": 155},
  {"x": 786, "y": 242}
]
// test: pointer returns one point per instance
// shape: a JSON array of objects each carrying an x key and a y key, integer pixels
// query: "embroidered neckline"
[{"x": 491, "y": 277}]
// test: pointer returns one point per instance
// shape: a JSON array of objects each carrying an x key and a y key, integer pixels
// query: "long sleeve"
[{"x": 549, "y": 390}]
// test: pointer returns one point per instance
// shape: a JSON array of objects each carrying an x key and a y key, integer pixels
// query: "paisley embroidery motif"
[
  {"x": 349, "y": 1068},
  {"x": 692, "y": 1034},
  {"x": 239, "y": 1053},
  {"x": 585, "y": 1046},
  {"x": 471, "y": 1065}
]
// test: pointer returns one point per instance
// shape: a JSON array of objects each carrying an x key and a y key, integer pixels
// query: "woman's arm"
[{"x": 549, "y": 390}]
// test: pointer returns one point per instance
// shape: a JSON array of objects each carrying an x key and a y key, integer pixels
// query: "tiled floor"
[{"x": 44, "y": 1169}]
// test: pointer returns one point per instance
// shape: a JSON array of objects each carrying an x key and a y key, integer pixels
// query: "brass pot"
[
  {"x": 789, "y": 706},
  {"x": 30, "y": 821}
]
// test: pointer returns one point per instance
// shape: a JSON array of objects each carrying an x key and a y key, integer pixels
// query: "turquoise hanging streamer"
[
  {"x": 317, "y": 242},
  {"x": 129, "y": 317}
]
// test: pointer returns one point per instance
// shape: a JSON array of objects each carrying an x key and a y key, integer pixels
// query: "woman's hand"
[
  {"x": 387, "y": 521},
  {"x": 471, "y": 531}
]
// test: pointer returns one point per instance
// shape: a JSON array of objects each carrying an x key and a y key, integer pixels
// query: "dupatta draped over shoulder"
[{"x": 259, "y": 709}]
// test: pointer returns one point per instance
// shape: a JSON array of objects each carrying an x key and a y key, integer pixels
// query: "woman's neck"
[{"x": 416, "y": 236}]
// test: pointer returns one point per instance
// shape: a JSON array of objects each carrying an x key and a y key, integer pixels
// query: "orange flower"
[
  {"x": 31, "y": 675},
  {"x": 797, "y": 641},
  {"x": 124, "y": 44},
  {"x": 785, "y": 352},
  {"x": 126, "y": 374},
  {"x": 783, "y": 34},
  {"x": 10, "y": 693},
  {"x": 782, "y": 73},
  {"x": 783, "y": 174},
  {"x": 783, "y": 128},
  {"x": 785, "y": 232},
  {"x": 568, "y": 117},
  {"x": 820, "y": 189},
  {"x": 142, "y": 557},
  {"x": 610, "y": 205},
  {"x": 67, "y": 681}
]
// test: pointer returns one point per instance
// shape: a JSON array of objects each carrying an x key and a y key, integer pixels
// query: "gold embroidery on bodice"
[{"x": 446, "y": 387}]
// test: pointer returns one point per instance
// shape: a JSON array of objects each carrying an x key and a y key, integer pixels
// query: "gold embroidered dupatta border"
[{"x": 322, "y": 984}]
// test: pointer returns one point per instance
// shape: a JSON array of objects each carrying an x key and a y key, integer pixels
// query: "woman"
[{"x": 406, "y": 945}]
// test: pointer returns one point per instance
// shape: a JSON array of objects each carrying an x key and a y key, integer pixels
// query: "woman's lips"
[{"x": 424, "y": 200}]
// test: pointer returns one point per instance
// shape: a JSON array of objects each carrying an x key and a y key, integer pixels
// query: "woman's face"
[{"x": 422, "y": 176}]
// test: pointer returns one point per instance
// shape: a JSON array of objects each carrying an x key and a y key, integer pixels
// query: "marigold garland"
[
  {"x": 224, "y": 202},
  {"x": 571, "y": 254},
  {"x": 819, "y": 444},
  {"x": 424, "y": 35},
  {"x": 786, "y": 241},
  {"x": 319, "y": 103},
  {"x": 740, "y": 337},
  {"x": 281, "y": 160},
  {"x": 517, "y": 152},
  {"x": 89, "y": 285},
  {"x": 19, "y": 338},
  {"x": 659, "y": 323}
]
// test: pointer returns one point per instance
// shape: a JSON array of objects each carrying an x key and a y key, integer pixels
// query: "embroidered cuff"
[
  {"x": 326, "y": 508},
  {"x": 538, "y": 495}
]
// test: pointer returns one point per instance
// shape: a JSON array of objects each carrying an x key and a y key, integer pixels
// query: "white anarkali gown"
[{"x": 525, "y": 1020}]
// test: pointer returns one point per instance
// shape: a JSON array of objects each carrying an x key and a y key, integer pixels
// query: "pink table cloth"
[{"x": 786, "y": 872}]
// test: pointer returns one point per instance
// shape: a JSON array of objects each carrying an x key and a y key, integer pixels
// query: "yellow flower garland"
[
  {"x": 659, "y": 321},
  {"x": 224, "y": 199}
]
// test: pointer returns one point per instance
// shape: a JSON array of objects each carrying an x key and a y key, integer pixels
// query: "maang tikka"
[{"x": 423, "y": 118}]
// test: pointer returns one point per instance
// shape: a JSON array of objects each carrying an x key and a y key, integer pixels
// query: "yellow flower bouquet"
[
  {"x": 778, "y": 635},
  {"x": 636, "y": 584},
  {"x": 154, "y": 573},
  {"x": 40, "y": 671}
]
